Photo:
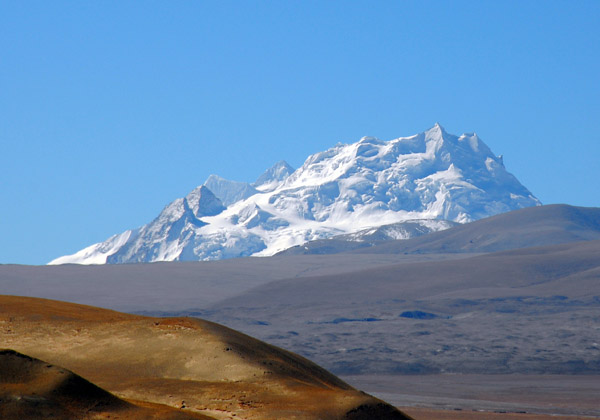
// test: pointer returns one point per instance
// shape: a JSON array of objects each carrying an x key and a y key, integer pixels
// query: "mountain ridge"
[{"x": 345, "y": 189}]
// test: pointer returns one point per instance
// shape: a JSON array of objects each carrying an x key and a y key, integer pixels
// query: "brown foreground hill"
[
  {"x": 150, "y": 364},
  {"x": 32, "y": 389}
]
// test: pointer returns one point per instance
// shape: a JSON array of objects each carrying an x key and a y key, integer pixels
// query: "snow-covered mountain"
[{"x": 346, "y": 189}]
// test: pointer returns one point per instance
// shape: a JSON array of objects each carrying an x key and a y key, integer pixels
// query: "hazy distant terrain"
[
  {"x": 538, "y": 226},
  {"x": 176, "y": 286},
  {"x": 535, "y": 310}
]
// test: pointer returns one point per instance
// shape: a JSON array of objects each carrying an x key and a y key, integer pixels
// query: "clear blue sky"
[{"x": 111, "y": 109}]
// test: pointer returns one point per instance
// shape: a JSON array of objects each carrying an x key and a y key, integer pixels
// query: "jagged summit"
[
  {"x": 271, "y": 178},
  {"x": 349, "y": 187},
  {"x": 438, "y": 126}
]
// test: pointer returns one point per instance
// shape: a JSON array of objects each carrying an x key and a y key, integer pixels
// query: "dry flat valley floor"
[
  {"x": 430, "y": 414},
  {"x": 487, "y": 396}
]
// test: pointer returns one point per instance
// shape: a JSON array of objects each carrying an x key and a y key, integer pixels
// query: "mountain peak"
[
  {"x": 273, "y": 176},
  {"x": 438, "y": 128},
  {"x": 203, "y": 202}
]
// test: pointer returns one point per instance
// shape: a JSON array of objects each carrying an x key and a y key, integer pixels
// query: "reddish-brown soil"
[{"x": 188, "y": 364}]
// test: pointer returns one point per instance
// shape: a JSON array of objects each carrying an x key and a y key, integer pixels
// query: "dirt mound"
[
  {"x": 32, "y": 309},
  {"x": 33, "y": 389},
  {"x": 193, "y": 365}
]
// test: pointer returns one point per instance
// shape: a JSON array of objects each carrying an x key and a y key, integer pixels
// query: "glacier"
[{"x": 345, "y": 190}]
